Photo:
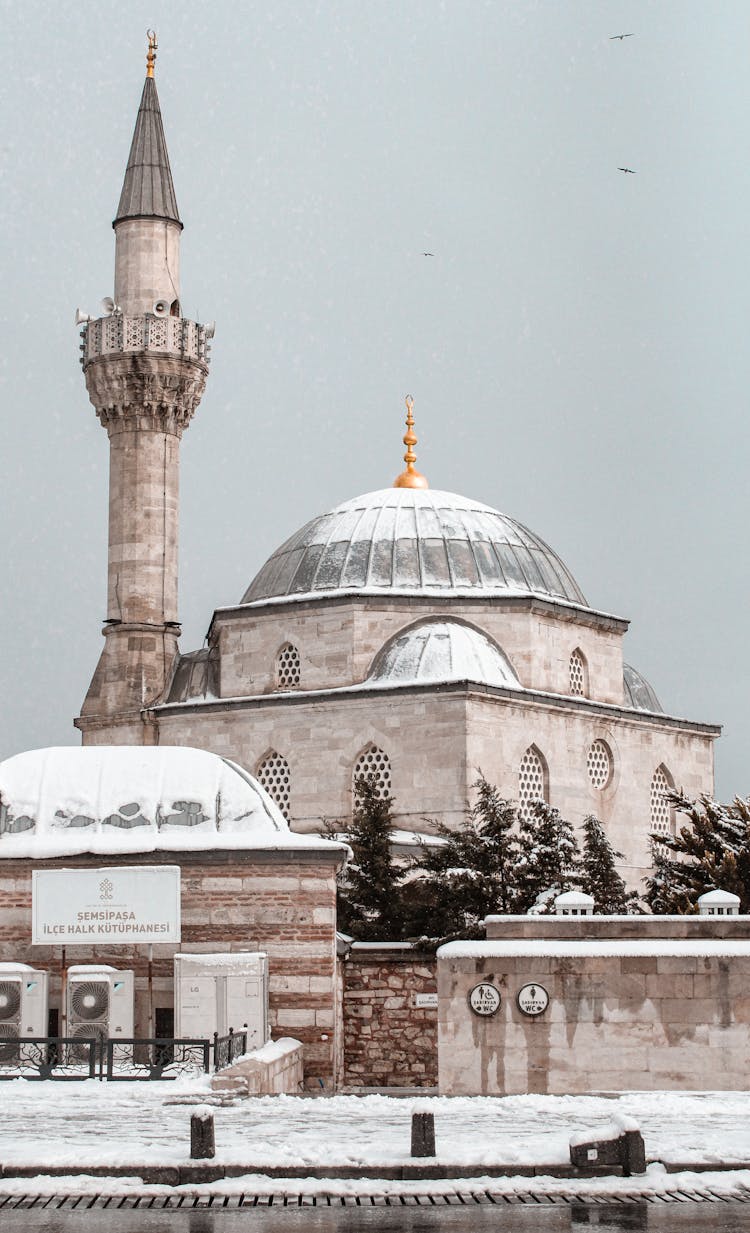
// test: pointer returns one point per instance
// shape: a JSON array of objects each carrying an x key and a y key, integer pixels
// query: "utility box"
[
  {"x": 214, "y": 993},
  {"x": 99, "y": 1002},
  {"x": 23, "y": 1007}
]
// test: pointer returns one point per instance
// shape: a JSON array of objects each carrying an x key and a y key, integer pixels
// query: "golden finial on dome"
[
  {"x": 151, "y": 55},
  {"x": 410, "y": 478}
]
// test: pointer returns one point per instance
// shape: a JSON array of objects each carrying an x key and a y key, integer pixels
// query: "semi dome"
[
  {"x": 638, "y": 693},
  {"x": 407, "y": 540},
  {"x": 442, "y": 651}
]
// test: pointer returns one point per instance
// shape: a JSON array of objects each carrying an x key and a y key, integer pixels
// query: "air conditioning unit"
[
  {"x": 23, "y": 1007},
  {"x": 214, "y": 993},
  {"x": 99, "y": 1002}
]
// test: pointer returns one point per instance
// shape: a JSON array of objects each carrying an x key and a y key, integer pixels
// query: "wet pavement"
[{"x": 719, "y": 1217}]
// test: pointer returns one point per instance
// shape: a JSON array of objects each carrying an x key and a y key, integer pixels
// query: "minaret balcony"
[{"x": 118, "y": 335}]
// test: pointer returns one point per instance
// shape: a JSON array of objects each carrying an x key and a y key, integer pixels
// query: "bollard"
[
  {"x": 202, "y": 1141},
  {"x": 423, "y": 1134},
  {"x": 633, "y": 1153}
]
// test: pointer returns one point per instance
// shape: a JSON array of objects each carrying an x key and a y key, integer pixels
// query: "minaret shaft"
[{"x": 143, "y": 526}]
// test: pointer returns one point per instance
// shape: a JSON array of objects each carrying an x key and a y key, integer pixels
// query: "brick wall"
[
  {"x": 281, "y": 903},
  {"x": 388, "y": 1040}
]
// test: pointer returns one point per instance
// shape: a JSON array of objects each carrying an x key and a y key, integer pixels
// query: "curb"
[{"x": 201, "y": 1174}]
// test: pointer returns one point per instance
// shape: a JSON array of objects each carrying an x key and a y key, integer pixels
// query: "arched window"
[
  {"x": 532, "y": 781},
  {"x": 578, "y": 675},
  {"x": 373, "y": 763},
  {"x": 273, "y": 775},
  {"x": 287, "y": 667},
  {"x": 662, "y": 813},
  {"x": 600, "y": 765}
]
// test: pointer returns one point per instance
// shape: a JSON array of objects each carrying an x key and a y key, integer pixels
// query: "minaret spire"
[
  {"x": 148, "y": 191},
  {"x": 410, "y": 478}
]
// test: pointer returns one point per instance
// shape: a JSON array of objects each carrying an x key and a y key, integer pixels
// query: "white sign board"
[
  {"x": 120, "y": 906},
  {"x": 532, "y": 1000},
  {"x": 426, "y": 1001},
  {"x": 484, "y": 999}
]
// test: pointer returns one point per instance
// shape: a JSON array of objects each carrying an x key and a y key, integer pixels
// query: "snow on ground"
[{"x": 122, "y": 1124}]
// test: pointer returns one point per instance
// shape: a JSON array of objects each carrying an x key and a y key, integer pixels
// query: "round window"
[{"x": 599, "y": 763}]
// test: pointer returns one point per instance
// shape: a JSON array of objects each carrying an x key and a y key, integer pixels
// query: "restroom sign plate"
[
  {"x": 484, "y": 999},
  {"x": 532, "y": 1000}
]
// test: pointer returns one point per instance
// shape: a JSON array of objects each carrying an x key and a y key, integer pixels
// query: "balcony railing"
[{"x": 118, "y": 335}]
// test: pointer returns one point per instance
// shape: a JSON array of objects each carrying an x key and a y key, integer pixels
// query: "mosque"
[{"x": 410, "y": 633}]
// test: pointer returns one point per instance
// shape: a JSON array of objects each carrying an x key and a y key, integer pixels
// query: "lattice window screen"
[
  {"x": 287, "y": 667},
  {"x": 661, "y": 811},
  {"x": 599, "y": 763},
  {"x": 531, "y": 785},
  {"x": 577, "y": 675},
  {"x": 157, "y": 334},
  {"x": 274, "y": 776},
  {"x": 374, "y": 763}
]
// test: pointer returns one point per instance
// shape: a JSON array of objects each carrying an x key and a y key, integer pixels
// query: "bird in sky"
[
  {"x": 428, "y": 254},
  {"x": 628, "y": 170},
  {"x": 621, "y": 36}
]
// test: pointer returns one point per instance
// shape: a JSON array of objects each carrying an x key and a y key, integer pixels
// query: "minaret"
[{"x": 145, "y": 367}]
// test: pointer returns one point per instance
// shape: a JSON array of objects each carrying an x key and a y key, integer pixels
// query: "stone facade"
[
  {"x": 634, "y": 1004},
  {"x": 338, "y": 639},
  {"x": 389, "y": 1041},
  {"x": 438, "y": 739},
  {"x": 283, "y": 903}
]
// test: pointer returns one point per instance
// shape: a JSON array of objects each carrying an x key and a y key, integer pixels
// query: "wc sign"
[{"x": 119, "y": 907}]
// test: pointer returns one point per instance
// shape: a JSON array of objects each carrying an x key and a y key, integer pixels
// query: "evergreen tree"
[
  {"x": 711, "y": 851},
  {"x": 469, "y": 873},
  {"x": 599, "y": 877},
  {"x": 549, "y": 858},
  {"x": 369, "y": 903}
]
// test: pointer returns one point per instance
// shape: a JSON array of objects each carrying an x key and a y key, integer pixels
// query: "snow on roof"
[
  {"x": 719, "y": 897},
  {"x": 235, "y": 961},
  {"x": 574, "y": 899},
  {"x": 443, "y": 651},
  {"x": 556, "y": 948},
  {"x": 121, "y": 799}
]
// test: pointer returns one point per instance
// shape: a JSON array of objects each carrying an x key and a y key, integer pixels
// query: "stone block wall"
[
  {"x": 388, "y": 1040},
  {"x": 628, "y": 1015}
]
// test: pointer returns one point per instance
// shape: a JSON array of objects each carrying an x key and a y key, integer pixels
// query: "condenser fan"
[
  {"x": 89, "y": 1031},
  {"x": 10, "y": 999},
  {"x": 8, "y": 1043},
  {"x": 90, "y": 1000},
  {"x": 84, "y": 1031}
]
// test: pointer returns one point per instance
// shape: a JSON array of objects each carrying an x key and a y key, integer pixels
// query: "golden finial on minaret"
[
  {"x": 410, "y": 478},
  {"x": 151, "y": 55}
]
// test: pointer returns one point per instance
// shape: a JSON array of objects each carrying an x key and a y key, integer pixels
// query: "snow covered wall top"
[{"x": 106, "y": 799}]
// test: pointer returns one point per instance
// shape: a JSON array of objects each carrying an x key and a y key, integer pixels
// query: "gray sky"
[{"x": 576, "y": 348}]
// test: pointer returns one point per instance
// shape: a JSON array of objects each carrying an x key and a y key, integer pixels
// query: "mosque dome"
[
  {"x": 442, "y": 651},
  {"x": 413, "y": 540}
]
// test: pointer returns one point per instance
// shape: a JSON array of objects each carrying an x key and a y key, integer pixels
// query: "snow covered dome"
[
  {"x": 406, "y": 540},
  {"x": 638, "y": 693},
  {"x": 132, "y": 799},
  {"x": 442, "y": 651}
]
